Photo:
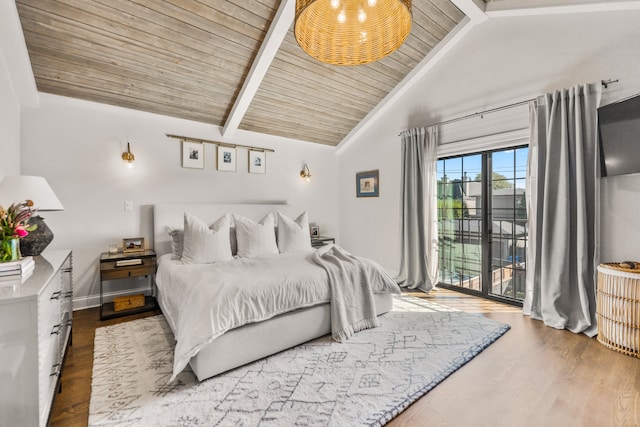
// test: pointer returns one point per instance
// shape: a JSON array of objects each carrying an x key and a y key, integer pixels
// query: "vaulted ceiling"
[
  {"x": 235, "y": 64},
  {"x": 190, "y": 59}
]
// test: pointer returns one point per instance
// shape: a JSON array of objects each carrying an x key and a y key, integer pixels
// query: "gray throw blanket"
[{"x": 352, "y": 280}]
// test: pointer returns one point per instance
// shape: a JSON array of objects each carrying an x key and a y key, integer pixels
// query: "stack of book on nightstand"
[{"x": 16, "y": 272}]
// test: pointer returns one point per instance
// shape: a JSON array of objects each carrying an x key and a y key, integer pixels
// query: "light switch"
[{"x": 128, "y": 206}]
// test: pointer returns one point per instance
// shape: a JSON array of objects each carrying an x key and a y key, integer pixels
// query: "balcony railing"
[{"x": 461, "y": 255}]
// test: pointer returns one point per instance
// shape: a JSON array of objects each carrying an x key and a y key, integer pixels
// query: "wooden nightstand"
[
  {"x": 320, "y": 241},
  {"x": 123, "y": 266}
]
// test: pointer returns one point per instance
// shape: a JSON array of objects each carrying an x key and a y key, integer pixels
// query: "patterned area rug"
[{"x": 366, "y": 381}]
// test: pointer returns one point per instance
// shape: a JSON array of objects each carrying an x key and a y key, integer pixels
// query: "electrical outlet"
[{"x": 128, "y": 206}]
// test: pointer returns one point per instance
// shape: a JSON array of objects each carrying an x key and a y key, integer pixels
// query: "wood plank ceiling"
[{"x": 189, "y": 59}]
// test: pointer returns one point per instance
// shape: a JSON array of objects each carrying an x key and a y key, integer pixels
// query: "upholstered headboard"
[{"x": 172, "y": 215}]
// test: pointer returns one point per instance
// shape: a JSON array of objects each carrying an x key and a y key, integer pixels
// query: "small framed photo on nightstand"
[
  {"x": 315, "y": 231},
  {"x": 133, "y": 244}
]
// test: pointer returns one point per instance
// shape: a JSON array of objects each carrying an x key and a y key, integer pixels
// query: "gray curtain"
[
  {"x": 418, "y": 210},
  {"x": 564, "y": 207}
]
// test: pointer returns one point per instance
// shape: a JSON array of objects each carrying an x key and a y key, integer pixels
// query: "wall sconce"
[
  {"x": 304, "y": 173},
  {"x": 128, "y": 156}
]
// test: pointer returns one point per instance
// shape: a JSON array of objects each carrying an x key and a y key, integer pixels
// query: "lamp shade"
[
  {"x": 17, "y": 188},
  {"x": 351, "y": 32}
]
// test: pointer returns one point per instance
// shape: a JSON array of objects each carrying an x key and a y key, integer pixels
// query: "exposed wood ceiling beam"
[
  {"x": 268, "y": 50},
  {"x": 474, "y": 9},
  {"x": 506, "y": 8}
]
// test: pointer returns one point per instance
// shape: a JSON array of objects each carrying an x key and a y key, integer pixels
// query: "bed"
[{"x": 212, "y": 352}]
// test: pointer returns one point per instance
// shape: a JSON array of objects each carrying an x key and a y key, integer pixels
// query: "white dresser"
[{"x": 35, "y": 329}]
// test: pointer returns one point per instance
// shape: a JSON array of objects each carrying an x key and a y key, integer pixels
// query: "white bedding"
[
  {"x": 353, "y": 307},
  {"x": 202, "y": 302}
]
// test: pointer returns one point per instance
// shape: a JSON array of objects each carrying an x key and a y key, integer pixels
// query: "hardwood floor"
[
  {"x": 71, "y": 406},
  {"x": 532, "y": 376}
]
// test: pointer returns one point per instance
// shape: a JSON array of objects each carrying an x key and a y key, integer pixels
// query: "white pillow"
[
  {"x": 293, "y": 236},
  {"x": 204, "y": 244},
  {"x": 255, "y": 239}
]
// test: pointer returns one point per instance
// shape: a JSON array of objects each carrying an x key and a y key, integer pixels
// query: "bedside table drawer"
[
  {"x": 107, "y": 265},
  {"x": 124, "y": 272}
]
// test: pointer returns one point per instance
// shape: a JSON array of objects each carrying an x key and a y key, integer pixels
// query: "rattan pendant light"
[{"x": 351, "y": 32}]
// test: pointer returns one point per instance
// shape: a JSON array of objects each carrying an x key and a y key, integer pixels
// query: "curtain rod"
[
  {"x": 222, "y": 144},
  {"x": 605, "y": 83}
]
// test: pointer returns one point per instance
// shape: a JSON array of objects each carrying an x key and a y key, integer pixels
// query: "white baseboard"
[
  {"x": 92, "y": 301},
  {"x": 82, "y": 303}
]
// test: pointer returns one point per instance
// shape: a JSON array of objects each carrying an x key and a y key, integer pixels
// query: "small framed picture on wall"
[
  {"x": 367, "y": 184},
  {"x": 192, "y": 155},
  {"x": 226, "y": 158},
  {"x": 257, "y": 161}
]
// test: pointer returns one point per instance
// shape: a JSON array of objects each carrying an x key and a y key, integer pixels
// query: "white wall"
[
  {"x": 499, "y": 62},
  {"x": 17, "y": 87},
  {"x": 9, "y": 123},
  {"x": 369, "y": 226},
  {"x": 77, "y": 146}
]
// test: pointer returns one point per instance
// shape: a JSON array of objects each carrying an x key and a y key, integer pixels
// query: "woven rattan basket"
[{"x": 618, "y": 308}]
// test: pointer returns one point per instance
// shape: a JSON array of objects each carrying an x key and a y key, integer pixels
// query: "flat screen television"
[{"x": 619, "y": 130}]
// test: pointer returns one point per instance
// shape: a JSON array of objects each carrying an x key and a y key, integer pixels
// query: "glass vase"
[{"x": 10, "y": 249}]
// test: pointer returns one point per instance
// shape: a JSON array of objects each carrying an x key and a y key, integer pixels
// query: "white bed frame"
[{"x": 256, "y": 340}]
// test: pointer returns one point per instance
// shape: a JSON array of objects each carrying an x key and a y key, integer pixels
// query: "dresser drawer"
[
  {"x": 49, "y": 351},
  {"x": 49, "y": 368},
  {"x": 49, "y": 302}
]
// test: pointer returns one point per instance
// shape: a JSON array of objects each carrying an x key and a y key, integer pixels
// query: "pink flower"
[{"x": 20, "y": 231}]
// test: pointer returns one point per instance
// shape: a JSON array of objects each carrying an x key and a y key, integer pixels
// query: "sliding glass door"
[
  {"x": 482, "y": 223},
  {"x": 508, "y": 222},
  {"x": 460, "y": 213}
]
